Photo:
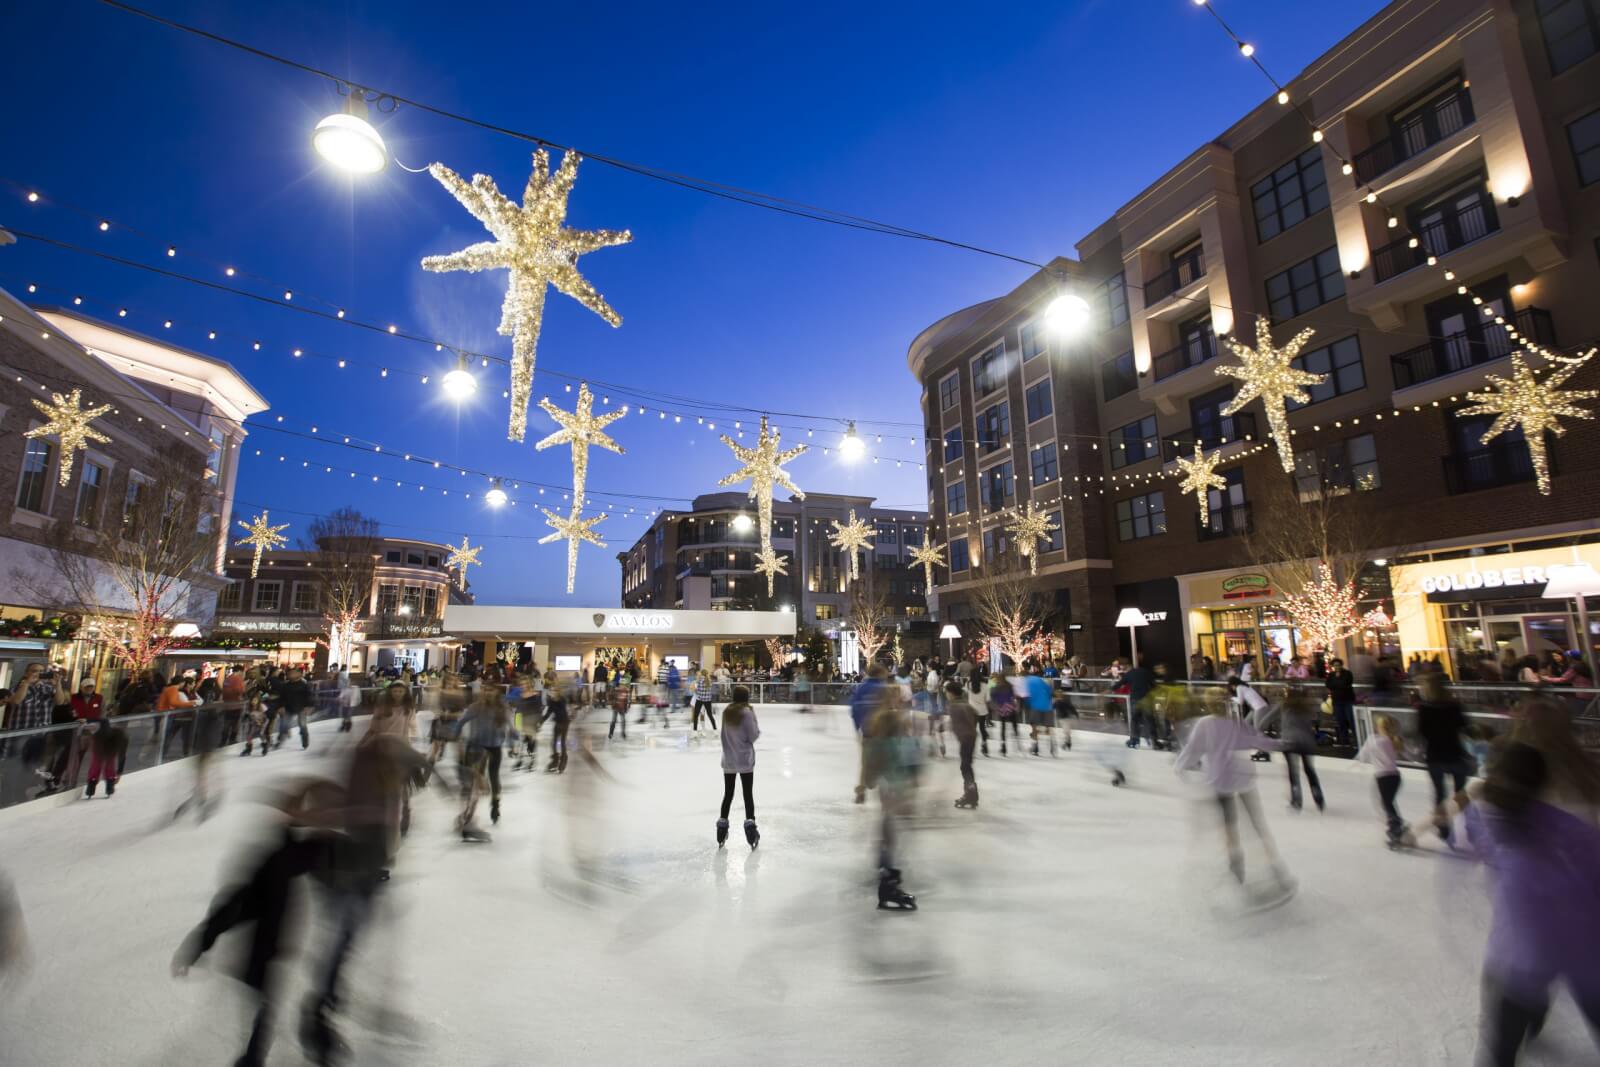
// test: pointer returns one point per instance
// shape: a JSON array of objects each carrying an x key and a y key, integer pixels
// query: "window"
[
  {"x": 1228, "y": 513},
  {"x": 989, "y": 371},
  {"x": 1571, "y": 31},
  {"x": 414, "y": 559},
  {"x": 269, "y": 596},
  {"x": 37, "y": 459},
  {"x": 214, "y": 456},
  {"x": 949, "y": 391},
  {"x": 412, "y": 599},
  {"x": 430, "y": 602},
  {"x": 1037, "y": 398},
  {"x": 1118, "y": 376},
  {"x": 952, "y": 446},
  {"x": 1341, "y": 362},
  {"x": 87, "y": 511},
  {"x": 1053, "y": 541},
  {"x": 1340, "y": 466},
  {"x": 388, "y": 599},
  {"x": 1584, "y": 136},
  {"x": 827, "y": 611},
  {"x": 994, "y": 427},
  {"x": 955, "y": 498},
  {"x": 1116, "y": 298},
  {"x": 1032, "y": 339},
  {"x": 304, "y": 597},
  {"x": 886, "y": 534},
  {"x": 998, "y": 485},
  {"x": 996, "y": 542},
  {"x": 132, "y": 497},
  {"x": 1308, "y": 284},
  {"x": 913, "y": 536},
  {"x": 958, "y": 555},
  {"x": 1206, "y": 418},
  {"x": 392, "y": 556},
  {"x": 1459, "y": 216},
  {"x": 1042, "y": 461},
  {"x": 1290, "y": 194},
  {"x": 1139, "y": 517},
  {"x": 433, "y": 561},
  {"x": 230, "y": 597},
  {"x": 1133, "y": 442}
]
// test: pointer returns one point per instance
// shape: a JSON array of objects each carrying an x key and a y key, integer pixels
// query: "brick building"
[{"x": 1475, "y": 128}]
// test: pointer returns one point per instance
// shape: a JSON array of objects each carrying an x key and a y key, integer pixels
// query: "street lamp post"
[
  {"x": 1132, "y": 618},
  {"x": 951, "y": 634}
]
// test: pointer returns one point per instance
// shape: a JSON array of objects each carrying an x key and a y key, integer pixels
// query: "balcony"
[
  {"x": 1229, "y": 429},
  {"x": 1193, "y": 352},
  {"x": 1183, "y": 272},
  {"x": 1503, "y": 463},
  {"x": 1442, "y": 117},
  {"x": 1224, "y": 522},
  {"x": 1446, "y": 355},
  {"x": 1437, "y": 233}
]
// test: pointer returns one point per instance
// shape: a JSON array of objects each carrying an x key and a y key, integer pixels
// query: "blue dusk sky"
[{"x": 1017, "y": 126}]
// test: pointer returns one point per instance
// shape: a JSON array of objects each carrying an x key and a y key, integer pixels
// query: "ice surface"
[{"x": 1062, "y": 922}]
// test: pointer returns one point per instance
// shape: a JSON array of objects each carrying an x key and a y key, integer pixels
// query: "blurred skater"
[
  {"x": 964, "y": 724},
  {"x": 1003, "y": 709},
  {"x": 1441, "y": 722},
  {"x": 888, "y": 765},
  {"x": 739, "y": 733},
  {"x": 557, "y": 703},
  {"x": 483, "y": 735},
  {"x": 1297, "y": 735},
  {"x": 1382, "y": 752}
]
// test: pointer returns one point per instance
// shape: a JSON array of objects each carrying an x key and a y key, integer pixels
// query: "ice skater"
[
  {"x": 556, "y": 704},
  {"x": 702, "y": 702},
  {"x": 1297, "y": 735},
  {"x": 1382, "y": 752},
  {"x": 739, "y": 733},
  {"x": 1441, "y": 721},
  {"x": 888, "y": 757},
  {"x": 483, "y": 735},
  {"x": 964, "y": 724},
  {"x": 1003, "y": 709}
]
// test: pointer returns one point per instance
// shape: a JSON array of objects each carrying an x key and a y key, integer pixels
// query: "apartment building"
[
  {"x": 1454, "y": 137},
  {"x": 175, "y": 425}
]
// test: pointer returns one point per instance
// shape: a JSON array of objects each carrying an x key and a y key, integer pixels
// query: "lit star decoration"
[
  {"x": 1324, "y": 611},
  {"x": 763, "y": 469},
  {"x": 771, "y": 564},
  {"x": 580, "y": 428},
  {"x": 1199, "y": 475},
  {"x": 1532, "y": 405},
  {"x": 533, "y": 244},
  {"x": 1029, "y": 527},
  {"x": 263, "y": 537},
  {"x": 852, "y": 537},
  {"x": 572, "y": 529},
  {"x": 930, "y": 556},
  {"x": 1268, "y": 372},
  {"x": 461, "y": 557},
  {"x": 69, "y": 420}
]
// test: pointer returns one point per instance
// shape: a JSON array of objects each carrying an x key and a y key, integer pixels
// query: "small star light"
[
  {"x": 763, "y": 469},
  {"x": 1324, "y": 611},
  {"x": 771, "y": 564},
  {"x": 69, "y": 420},
  {"x": 852, "y": 537},
  {"x": 533, "y": 244},
  {"x": 263, "y": 536},
  {"x": 930, "y": 556},
  {"x": 580, "y": 428},
  {"x": 1029, "y": 528},
  {"x": 1268, "y": 372},
  {"x": 572, "y": 529},
  {"x": 1199, "y": 475},
  {"x": 461, "y": 557},
  {"x": 1532, "y": 405}
]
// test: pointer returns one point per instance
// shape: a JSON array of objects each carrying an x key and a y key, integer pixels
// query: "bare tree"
[
  {"x": 869, "y": 612},
  {"x": 132, "y": 580},
  {"x": 1008, "y": 607},
  {"x": 345, "y": 543},
  {"x": 1316, "y": 518}
]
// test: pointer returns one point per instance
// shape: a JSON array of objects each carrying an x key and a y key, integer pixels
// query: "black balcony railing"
[
  {"x": 1437, "y": 232},
  {"x": 1446, "y": 355},
  {"x": 1229, "y": 521},
  {"x": 1183, "y": 271},
  {"x": 1418, "y": 131},
  {"x": 1193, "y": 352},
  {"x": 1224, "y": 431},
  {"x": 1499, "y": 464}
]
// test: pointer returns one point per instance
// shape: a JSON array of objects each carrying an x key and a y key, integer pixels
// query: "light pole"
[
  {"x": 1132, "y": 618},
  {"x": 951, "y": 634}
]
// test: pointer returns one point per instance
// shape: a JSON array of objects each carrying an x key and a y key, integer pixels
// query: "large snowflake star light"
[
  {"x": 771, "y": 564},
  {"x": 1199, "y": 476},
  {"x": 572, "y": 529},
  {"x": 1029, "y": 527},
  {"x": 580, "y": 428},
  {"x": 1268, "y": 371},
  {"x": 1532, "y": 405},
  {"x": 263, "y": 536},
  {"x": 763, "y": 469},
  {"x": 534, "y": 245},
  {"x": 930, "y": 556},
  {"x": 461, "y": 557},
  {"x": 69, "y": 421},
  {"x": 853, "y": 537}
]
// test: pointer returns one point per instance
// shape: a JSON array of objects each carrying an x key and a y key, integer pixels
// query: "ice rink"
[{"x": 1065, "y": 921}]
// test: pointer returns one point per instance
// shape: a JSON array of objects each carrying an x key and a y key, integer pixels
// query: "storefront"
[
  {"x": 574, "y": 639},
  {"x": 1464, "y": 609}
]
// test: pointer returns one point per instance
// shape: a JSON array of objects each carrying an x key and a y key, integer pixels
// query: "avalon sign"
[
  {"x": 628, "y": 620},
  {"x": 1484, "y": 579}
]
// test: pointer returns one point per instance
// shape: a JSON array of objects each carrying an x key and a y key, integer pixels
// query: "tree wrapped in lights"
[
  {"x": 1268, "y": 371},
  {"x": 852, "y": 537},
  {"x": 1524, "y": 402},
  {"x": 345, "y": 543},
  {"x": 869, "y": 614},
  {"x": 1007, "y": 608},
  {"x": 533, "y": 243},
  {"x": 1324, "y": 610},
  {"x": 68, "y": 420}
]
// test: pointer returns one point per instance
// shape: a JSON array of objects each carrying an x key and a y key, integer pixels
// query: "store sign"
[
  {"x": 628, "y": 620},
  {"x": 247, "y": 626},
  {"x": 1155, "y": 616},
  {"x": 1484, "y": 579},
  {"x": 1244, "y": 586}
]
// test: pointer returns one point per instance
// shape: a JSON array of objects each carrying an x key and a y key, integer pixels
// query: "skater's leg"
[
  {"x": 494, "y": 775},
  {"x": 747, "y": 779},
  {"x": 710, "y": 718},
  {"x": 1230, "y": 834},
  {"x": 1311, "y": 779},
  {"x": 1507, "y": 1022},
  {"x": 727, "y": 793},
  {"x": 1388, "y": 789},
  {"x": 1290, "y": 761},
  {"x": 968, "y": 780},
  {"x": 1250, "y": 800}
]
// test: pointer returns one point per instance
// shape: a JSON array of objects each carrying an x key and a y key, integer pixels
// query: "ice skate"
[
  {"x": 89, "y": 792},
  {"x": 1260, "y": 757},
  {"x": 318, "y": 1039},
  {"x": 890, "y": 896},
  {"x": 494, "y": 811},
  {"x": 475, "y": 835},
  {"x": 111, "y": 786},
  {"x": 1118, "y": 778},
  {"x": 751, "y": 834},
  {"x": 722, "y": 832},
  {"x": 969, "y": 799}
]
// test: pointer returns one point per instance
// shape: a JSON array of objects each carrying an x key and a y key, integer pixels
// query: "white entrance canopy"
[{"x": 491, "y": 622}]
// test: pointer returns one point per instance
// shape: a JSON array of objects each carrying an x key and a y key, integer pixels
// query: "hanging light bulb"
[
  {"x": 743, "y": 522},
  {"x": 1068, "y": 314},
  {"x": 496, "y": 496},
  {"x": 347, "y": 140},
  {"x": 459, "y": 384},
  {"x": 852, "y": 447}
]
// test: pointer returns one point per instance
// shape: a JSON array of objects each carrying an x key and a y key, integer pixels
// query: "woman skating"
[
  {"x": 1382, "y": 751},
  {"x": 1297, "y": 731},
  {"x": 739, "y": 733},
  {"x": 483, "y": 733}
]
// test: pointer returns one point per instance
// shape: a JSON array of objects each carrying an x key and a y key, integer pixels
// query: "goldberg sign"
[
  {"x": 1486, "y": 579},
  {"x": 624, "y": 620}
]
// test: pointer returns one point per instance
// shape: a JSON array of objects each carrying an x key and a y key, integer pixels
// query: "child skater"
[
  {"x": 739, "y": 733},
  {"x": 1382, "y": 751}
]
